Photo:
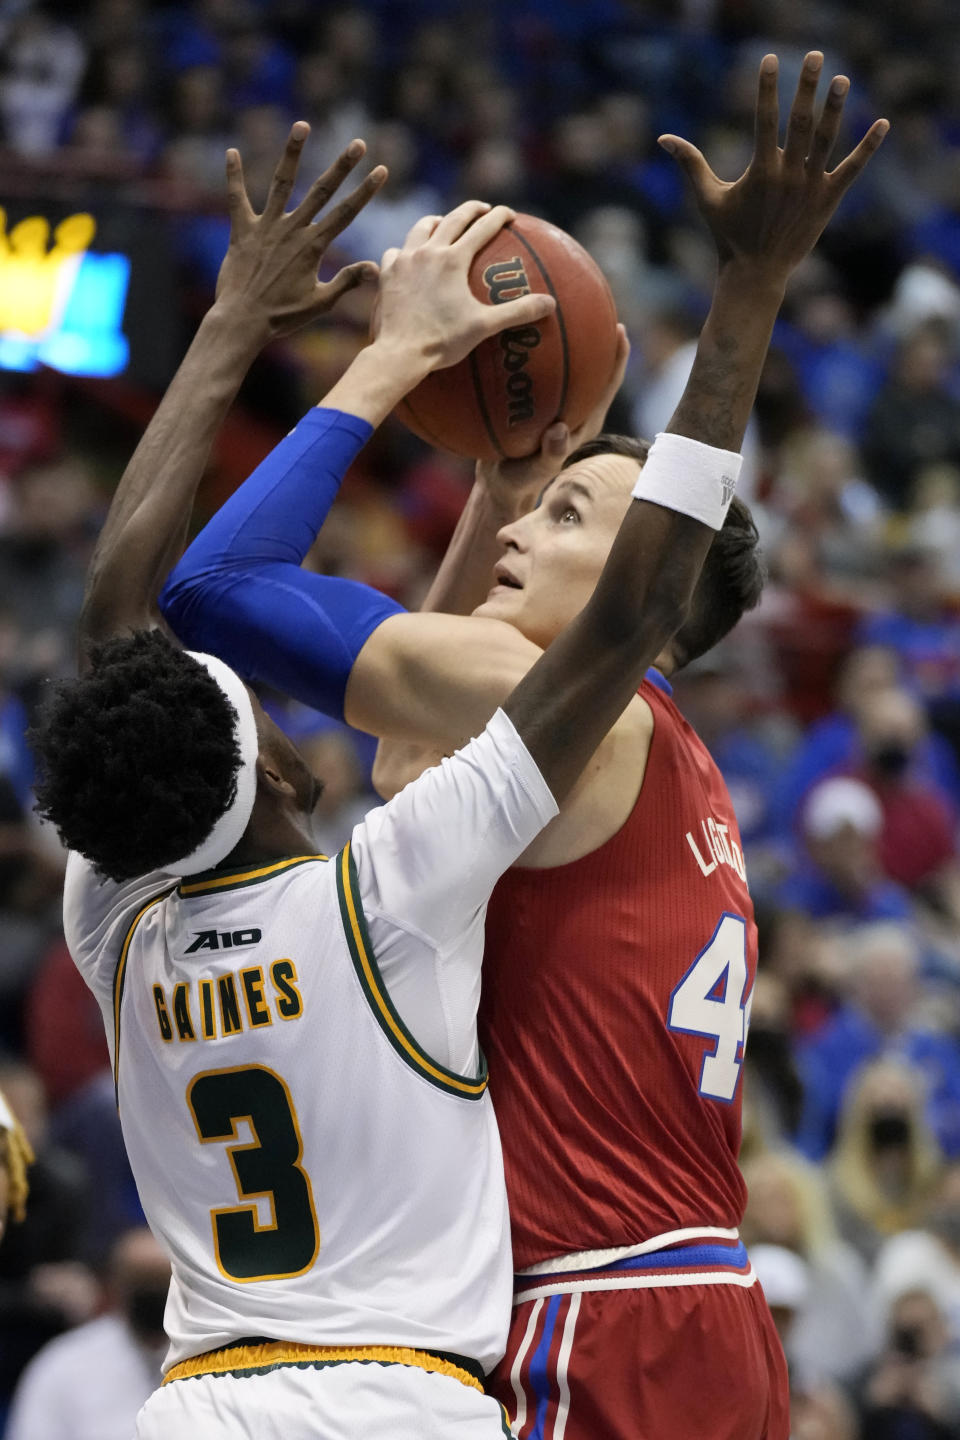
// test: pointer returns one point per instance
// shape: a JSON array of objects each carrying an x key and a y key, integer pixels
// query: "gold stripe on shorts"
[{"x": 258, "y": 1359}]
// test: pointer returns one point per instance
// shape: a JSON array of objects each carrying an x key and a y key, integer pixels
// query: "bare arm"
[
  {"x": 267, "y": 287},
  {"x": 764, "y": 225}
]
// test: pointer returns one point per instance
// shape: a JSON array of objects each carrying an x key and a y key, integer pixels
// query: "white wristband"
[{"x": 685, "y": 475}]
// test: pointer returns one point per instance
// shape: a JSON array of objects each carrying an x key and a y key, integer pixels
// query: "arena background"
[{"x": 849, "y": 671}]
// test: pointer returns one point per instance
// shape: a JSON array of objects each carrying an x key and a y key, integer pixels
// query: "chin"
[{"x": 501, "y": 605}]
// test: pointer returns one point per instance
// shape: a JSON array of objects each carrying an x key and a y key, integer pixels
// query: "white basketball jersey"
[{"x": 306, "y": 1148}]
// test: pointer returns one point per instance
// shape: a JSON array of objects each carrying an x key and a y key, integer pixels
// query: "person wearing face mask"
[
  {"x": 913, "y": 1393},
  {"x": 878, "y": 1021},
  {"x": 90, "y": 1383},
  {"x": 916, "y": 844},
  {"x": 886, "y": 1163}
]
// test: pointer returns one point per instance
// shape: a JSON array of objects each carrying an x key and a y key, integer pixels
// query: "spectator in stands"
[
  {"x": 913, "y": 1393},
  {"x": 920, "y": 628},
  {"x": 43, "y": 64},
  {"x": 879, "y": 1019},
  {"x": 840, "y": 877},
  {"x": 886, "y": 1162},
  {"x": 915, "y": 418},
  {"x": 16, "y": 1157},
  {"x": 833, "y": 1335},
  {"x": 90, "y": 1383},
  {"x": 928, "y": 1258},
  {"x": 916, "y": 845},
  {"x": 832, "y": 745},
  {"x": 45, "y": 1284}
]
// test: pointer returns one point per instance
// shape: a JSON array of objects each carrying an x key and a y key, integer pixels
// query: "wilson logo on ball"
[
  {"x": 506, "y": 280},
  {"x": 515, "y": 346}
]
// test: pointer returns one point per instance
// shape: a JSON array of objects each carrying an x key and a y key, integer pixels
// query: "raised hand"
[
  {"x": 425, "y": 297},
  {"x": 270, "y": 267},
  {"x": 774, "y": 214}
]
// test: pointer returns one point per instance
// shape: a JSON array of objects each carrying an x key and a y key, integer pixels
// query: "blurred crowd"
[{"x": 834, "y": 712}]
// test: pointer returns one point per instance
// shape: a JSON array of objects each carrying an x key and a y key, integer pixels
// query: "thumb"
[
  {"x": 346, "y": 279},
  {"x": 556, "y": 441},
  {"x": 515, "y": 313},
  {"x": 689, "y": 158}
]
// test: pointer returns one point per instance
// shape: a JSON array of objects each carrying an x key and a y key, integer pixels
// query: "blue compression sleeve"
[{"x": 239, "y": 591}]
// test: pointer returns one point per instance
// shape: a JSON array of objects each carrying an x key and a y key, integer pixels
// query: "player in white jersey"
[{"x": 294, "y": 1042}]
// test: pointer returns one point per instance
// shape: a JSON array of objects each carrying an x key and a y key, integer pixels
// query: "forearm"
[
  {"x": 466, "y": 571},
  {"x": 719, "y": 395},
  {"x": 239, "y": 591},
  {"x": 147, "y": 519}
]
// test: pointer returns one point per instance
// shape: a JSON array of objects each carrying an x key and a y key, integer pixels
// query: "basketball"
[{"x": 497, "y": 402}]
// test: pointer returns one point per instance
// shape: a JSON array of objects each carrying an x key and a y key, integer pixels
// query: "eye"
[{"x": 566, "y": 514}]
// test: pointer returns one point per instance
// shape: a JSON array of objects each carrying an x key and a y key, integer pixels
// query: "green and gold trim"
[
  {"x": 119, "y": 979},
  {"x": 368, "y": 973},
  {"x": 214, "y": 881},
  {"x": 241, "y": 1360}
]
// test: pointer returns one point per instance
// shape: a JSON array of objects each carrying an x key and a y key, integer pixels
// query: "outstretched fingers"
[
  {"x": 800, "y": 124},
  {"x": 238, "y": 201},
  {"x": 767, "y": 120},
  {"x": 285, "y": 174},
  {"x": 827, "y": 130},
  {"x": 329, "y": 182},
  {"x": 692, "y": 162},
  {"x": 848, "y": 170},
  {"x": 340, "y": 216}
]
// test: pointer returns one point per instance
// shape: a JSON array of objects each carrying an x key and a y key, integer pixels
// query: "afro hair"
[{"x": 138, "y": 758}]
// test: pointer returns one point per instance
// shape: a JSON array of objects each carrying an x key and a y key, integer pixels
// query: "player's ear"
[{"x": 270, "y": 778}]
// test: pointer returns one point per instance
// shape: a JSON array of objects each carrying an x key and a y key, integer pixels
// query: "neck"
[{"x": 267, "y": 839}]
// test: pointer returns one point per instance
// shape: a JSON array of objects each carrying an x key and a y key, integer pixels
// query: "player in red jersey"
[{"x": 621, "y": 955}]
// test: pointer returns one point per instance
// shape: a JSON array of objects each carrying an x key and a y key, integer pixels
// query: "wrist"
[
  {"x": 503, "y": 501},
  {"x": 404, "y": 361},
  {"x": 235, "y": 325},
  {"x": 376, "y": 381},
  {"x": 753, "y": 281}
]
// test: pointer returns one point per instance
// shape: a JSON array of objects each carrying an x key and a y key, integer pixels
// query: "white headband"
[{"x": 226, "y": 833}]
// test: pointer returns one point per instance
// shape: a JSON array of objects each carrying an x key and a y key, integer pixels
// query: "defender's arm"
[{"x": 267, "y": 287}]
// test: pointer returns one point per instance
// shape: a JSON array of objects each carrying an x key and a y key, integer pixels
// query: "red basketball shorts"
[{"x": 691, "y": 1362}]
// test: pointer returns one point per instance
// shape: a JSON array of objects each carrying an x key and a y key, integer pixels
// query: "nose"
[{"x": 512, "y": 535}]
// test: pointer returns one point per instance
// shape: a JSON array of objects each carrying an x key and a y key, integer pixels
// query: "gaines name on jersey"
[{"x": 246, "y": 998}]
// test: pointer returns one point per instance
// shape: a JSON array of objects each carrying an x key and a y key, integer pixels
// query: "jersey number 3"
[
  {"x": 709, "y": 1001},
  {"x": 268, "y": 1169}
]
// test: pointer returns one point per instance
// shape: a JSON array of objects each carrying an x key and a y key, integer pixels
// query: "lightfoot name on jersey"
[
  {"x": 719, "y": 848},
  {"x": 247, "y": 999}
]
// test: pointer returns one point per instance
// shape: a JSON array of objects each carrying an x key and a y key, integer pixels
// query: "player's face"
[{"x": 553, "y": 556}]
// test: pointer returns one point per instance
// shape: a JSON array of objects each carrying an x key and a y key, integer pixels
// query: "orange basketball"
[{"x": 498, "y": 401}]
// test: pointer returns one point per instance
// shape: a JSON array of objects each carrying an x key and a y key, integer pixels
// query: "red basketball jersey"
[{"x": 614, "y": 1015}]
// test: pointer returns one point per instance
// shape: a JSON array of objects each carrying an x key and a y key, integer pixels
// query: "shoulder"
[{"x": 97, "y": 913}]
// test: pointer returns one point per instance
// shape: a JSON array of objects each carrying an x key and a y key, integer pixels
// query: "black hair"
[
  {"x": 138, "y": 758},
  {"x": 733, "y": 574}
]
